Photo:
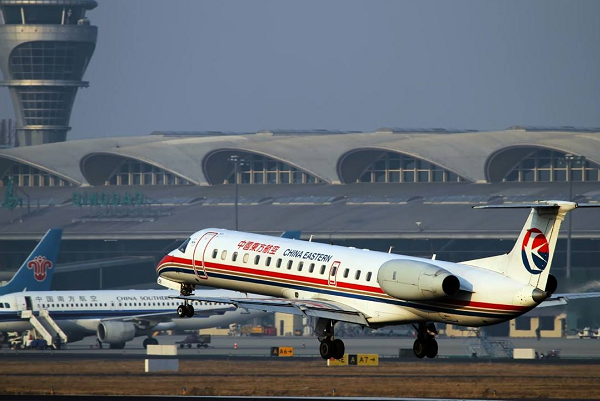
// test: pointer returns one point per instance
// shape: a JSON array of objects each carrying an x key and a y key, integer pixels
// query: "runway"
[
  {"x": 250, "y": 371},
  {"x": 307, "y": 347}
]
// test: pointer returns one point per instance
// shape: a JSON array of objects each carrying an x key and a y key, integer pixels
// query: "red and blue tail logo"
[
  {"x": 535, "y": 251},
  {"x": 40, "y": 265}
]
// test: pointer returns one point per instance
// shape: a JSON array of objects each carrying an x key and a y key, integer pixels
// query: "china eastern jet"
[{"x": 375, "y": 289}]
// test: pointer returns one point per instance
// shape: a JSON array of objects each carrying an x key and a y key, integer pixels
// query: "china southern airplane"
[
  {"x": 116, "y": 317},
  {"x": 35, "y": 274},
  {"x": 375, "y": 289}
]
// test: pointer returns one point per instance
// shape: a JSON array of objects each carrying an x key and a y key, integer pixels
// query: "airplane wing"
[
  {"x": 563, "y": 299},
  {"x": 305, "y": 307},
  {"x": 152, "y": 319}
]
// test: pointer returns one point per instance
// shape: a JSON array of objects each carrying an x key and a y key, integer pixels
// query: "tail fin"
[
  {"x": 35, "y": 274},
  {"x": 531, "y": 257}
]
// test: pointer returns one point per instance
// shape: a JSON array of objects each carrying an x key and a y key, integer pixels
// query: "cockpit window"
[{"x": 184, "y": 245}]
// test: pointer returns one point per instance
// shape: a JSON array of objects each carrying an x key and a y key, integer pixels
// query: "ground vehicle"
[
  {"x": 200, "y": 340},
  {"x": 588, "y": 332}
]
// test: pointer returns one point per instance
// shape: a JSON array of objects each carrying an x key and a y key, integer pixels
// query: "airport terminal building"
[{"x": 124, "y": 202}]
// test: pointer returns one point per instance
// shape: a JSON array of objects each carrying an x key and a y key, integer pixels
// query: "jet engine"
[
  {"x": 115, "y": 332},
  {"x": 416, "y": 281}
]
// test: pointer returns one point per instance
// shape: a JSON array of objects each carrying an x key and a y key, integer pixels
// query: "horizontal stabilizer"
[
  {"x": 563, "y": 299},
  {"x": 535, "y": 205}
]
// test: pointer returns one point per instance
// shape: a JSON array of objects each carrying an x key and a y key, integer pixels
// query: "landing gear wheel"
[
  {"x": 181, "y": 311},
  {"x": 149, "y": 341},
  {"x": 339, "y": 349},
  {"x": 189, "y": 311},
  {"x": 419, "y": 348},
  {"x": 326, "y": 349},
  {"x": 431, "y": 348}
]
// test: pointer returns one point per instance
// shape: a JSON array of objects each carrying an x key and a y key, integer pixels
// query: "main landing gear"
[
  {"x": 330, "y": 347},
  {"x": 425, "y": 344},
  {"x": 149, "y": 341},
  {"x": 185, "y": 310}
]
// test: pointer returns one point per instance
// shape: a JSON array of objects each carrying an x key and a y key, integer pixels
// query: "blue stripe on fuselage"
[{"x": 429, "y": 308}]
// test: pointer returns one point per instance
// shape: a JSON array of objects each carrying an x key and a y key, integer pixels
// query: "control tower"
[{"x": 45, "y": 48}]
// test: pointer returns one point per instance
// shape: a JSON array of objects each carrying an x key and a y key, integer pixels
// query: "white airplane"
[
  {"x": 116, "y": 317},
  {"x": 375, "y": 289}
]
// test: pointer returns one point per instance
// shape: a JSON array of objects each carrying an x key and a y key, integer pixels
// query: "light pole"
[
  {"x": 570, "y": 158},
  {"x": 235, "y": 159}
]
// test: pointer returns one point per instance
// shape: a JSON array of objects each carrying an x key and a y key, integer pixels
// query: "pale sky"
[{"x": 350, "y": 65}]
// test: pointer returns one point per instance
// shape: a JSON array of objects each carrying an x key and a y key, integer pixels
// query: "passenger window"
[
  {"x": 246, "y": 256},
  {"x": 268, "y": 261},
  {"x": 333, "y": 271},
  {"x": 346, "y": 273},
  {"x": 357, "y": 275},
  {"x": 394, "y": 276},
  {"x": 322, "y": 269},
  {"x": 300, "y": 266},
  {"x": 256, "y": 259},
  {"x": 369, "y": 276},
  {"x": 223, "y": 255},
  {"x": 311, "y": 268},
  {"x": 289, "y": 266},
  {"x": 234, "y": 257},
  {"x": 214, "y": 255},
  {"x": 279, "y": 263}
]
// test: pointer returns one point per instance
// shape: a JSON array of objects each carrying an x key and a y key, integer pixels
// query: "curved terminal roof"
[
  {"x": 62, "y": 158},
  {"x": 332, "y": 156}
]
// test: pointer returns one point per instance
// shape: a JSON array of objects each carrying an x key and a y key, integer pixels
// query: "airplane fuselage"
[
  {"x": 296, "y": 269},
  {"x": 78, "y": 313}
]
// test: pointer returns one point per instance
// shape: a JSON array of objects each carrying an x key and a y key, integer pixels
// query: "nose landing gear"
[
  {"x": 425, "y": 345},
  {"x": 330, "y": 347},
  {"x": 185, "y": 310}
]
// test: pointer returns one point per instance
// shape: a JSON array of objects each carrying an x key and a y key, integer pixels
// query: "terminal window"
[
  {"x": 397, "y": 168},
  {"x": 550, "y": 166},
  {"x": 133, "y": 172},
  {"x": 24, "y": 175},
  {"x": 257, "y": 169}
]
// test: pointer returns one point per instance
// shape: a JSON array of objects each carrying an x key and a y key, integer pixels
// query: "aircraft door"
[
  {"x": 335, "y": 267},
  {"x": 22, "y": 303},
  {"x": 199, "y": 254}
]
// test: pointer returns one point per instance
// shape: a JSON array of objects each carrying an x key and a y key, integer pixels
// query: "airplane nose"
[{"x": 164, "y": 260}]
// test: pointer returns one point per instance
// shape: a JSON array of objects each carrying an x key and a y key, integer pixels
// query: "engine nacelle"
[
  {"x": 116, "y": 332},
  {"x": 416, "y": 281}
]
